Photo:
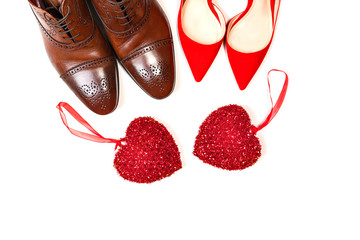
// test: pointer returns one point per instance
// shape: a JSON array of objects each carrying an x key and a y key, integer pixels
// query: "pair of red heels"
[{"x": 202, "y": 29}]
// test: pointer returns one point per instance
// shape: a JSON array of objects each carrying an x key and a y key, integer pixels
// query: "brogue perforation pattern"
[
  {"x": 82, "y": 19},
  {"x": 86, "y": 65},
  {"x": 147, "y": 48},
  {"x": 155, "y": 75},
  {"x": 52, "y": 32},
  {"x": 97, "y": 94}
]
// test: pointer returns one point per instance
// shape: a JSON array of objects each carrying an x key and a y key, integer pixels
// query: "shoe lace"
[
  {"x": 62, "y": 26},
  {"x": 125, "y": 9}
]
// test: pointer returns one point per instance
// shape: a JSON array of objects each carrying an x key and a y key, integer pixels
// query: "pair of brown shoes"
[{"x": 140, "y": 36}]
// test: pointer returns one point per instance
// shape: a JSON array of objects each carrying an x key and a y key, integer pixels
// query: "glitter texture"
[
  {"x": 148, "y": 152},
  {"x": 227, "y": 139}
]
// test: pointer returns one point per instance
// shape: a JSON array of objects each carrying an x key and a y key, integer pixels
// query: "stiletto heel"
[
  {"x": 248, "y": 38},
  {"x": 202, "y": 29}
]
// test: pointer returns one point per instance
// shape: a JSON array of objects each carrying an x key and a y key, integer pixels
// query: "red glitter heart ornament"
[
  {"x": 148, "y": 152},
  {"x": 227, "y": 139}
]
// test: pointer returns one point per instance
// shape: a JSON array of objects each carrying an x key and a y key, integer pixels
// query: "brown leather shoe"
[
  {"x": 79, "y": 52},
  {"x": 141, "y": 37}
]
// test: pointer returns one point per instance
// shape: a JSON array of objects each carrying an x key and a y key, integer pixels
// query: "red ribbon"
[
  {"x": 95, "y": 137},
  {"x": 274, "y": 109}
]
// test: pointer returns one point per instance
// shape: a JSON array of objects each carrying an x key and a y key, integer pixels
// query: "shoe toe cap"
[
  {"x": 95, "y": 84},
  {"x": 153, "y": 69}
]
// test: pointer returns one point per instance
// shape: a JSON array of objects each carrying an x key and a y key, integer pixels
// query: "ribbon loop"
[
  {"x": 274, "y": 109},
  {"x": 95, "y": 137}
]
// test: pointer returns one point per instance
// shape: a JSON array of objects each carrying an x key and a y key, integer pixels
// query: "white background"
[{"x": 54, "y": 185}]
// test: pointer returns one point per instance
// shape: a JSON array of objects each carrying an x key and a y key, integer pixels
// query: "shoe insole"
[
  {"x": 52, "y": 6},
  {"x": 38, "y": 3},
  {"x": 54, "y": 3},
  {"x": 253, "y": 32},
  {"x": 200, "y": 24}
]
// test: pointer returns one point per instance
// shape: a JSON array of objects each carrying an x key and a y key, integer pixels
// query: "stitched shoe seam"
[
  {"x": 65, "y": 45},
  {"x": 147, "y": 48},
  {"x": 86, "y": 65}
]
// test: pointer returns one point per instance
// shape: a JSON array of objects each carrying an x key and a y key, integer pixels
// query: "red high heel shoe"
[
  {"x": 248, "y": 38},
  {"x": 202, "y": 28}
]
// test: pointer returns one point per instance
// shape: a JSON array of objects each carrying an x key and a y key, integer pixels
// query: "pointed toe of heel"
[
  {"x": 249, "y": 36},
  {"x": 201, "y": 53},
  {"x": 245, "y": 65},
  {"x": 199, "y": 56}
]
